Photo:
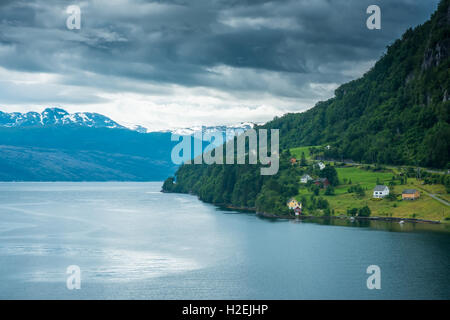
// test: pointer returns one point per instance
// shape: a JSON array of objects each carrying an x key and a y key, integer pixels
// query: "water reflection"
[
  {"x": 131, "y": 242},
  {"x": 393, "y": 226}
]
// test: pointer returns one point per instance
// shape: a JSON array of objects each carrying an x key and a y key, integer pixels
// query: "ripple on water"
[{"x": 106, "y": 264}]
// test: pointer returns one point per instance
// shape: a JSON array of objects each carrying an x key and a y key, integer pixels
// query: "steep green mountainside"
[{"x": 397, "y": 113}]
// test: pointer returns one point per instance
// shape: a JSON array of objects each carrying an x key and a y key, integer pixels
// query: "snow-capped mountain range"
[
  {"x": 51, "y": 117},
  {"x": 56, "y": 117},
  {"x": 230, "y": 130},
  {"x": 63, "y": 146}
]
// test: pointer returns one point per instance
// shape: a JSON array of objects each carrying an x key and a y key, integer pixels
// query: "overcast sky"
[{"x": 166, "y": 64}]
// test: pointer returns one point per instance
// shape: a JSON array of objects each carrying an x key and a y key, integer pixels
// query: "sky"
[{"x": 180, "y": 63}]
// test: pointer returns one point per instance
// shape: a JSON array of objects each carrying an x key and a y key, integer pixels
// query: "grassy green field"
[
  {"x": 297, "y": 152},
  {"x": 367, "y": 179},
  {"x": 423, "y": 208},
  {"x": 438, "y": 190}
]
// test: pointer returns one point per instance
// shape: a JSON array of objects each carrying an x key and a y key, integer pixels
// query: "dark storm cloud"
[{"x": 188, "y": 43}]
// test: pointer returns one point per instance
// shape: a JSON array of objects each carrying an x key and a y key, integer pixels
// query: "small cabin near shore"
[
  {"x": 410, "y": 194},
  {"x": 380, "y": 191},
  {"x": 292, "y": 204},
  {"x": 295, "y": 205}
]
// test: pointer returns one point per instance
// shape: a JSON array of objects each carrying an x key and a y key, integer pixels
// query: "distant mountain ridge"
[
  {"x": 56, "y": 145},
  {"x": 57, "y": 117},
  {"x": 230, "y": 129},
  {"x": 52, "y": 117}
]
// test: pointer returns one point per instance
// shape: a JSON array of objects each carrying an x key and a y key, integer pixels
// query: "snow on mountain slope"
[
  {"x": 60, "y": 117},
  {"x": 56, "y": 117},
  {"x": 230, "y": 130}
]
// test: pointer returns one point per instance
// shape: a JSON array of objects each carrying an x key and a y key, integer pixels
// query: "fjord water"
[{"x": 133, "y": 242}]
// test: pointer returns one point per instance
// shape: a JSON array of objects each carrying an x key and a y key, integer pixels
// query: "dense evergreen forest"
[{"x": 397, "y": 113}]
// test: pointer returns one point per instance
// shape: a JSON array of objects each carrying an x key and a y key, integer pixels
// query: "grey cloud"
[{"x": 179, "y": 42}]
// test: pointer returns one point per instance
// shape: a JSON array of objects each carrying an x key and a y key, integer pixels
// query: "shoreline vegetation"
[
  {"x": 349, "y": 195},
  {"x": 307, "y": 217},
  {"x": 379, "y": 132}
]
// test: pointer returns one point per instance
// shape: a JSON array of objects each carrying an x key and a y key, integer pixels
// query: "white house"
[
  {"x": 380, "y": 191},
  {"x": 321, "y": 165},
  {"x": 305, "y": 178}
]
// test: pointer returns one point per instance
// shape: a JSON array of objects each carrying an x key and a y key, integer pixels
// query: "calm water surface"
[{"x": 133, "y": 242}]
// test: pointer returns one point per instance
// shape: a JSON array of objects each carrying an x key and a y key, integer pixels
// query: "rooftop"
[{"x": 380, "y": 188}]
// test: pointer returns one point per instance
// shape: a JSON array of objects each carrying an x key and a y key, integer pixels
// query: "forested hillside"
[{"x": 397, "y": 113}]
